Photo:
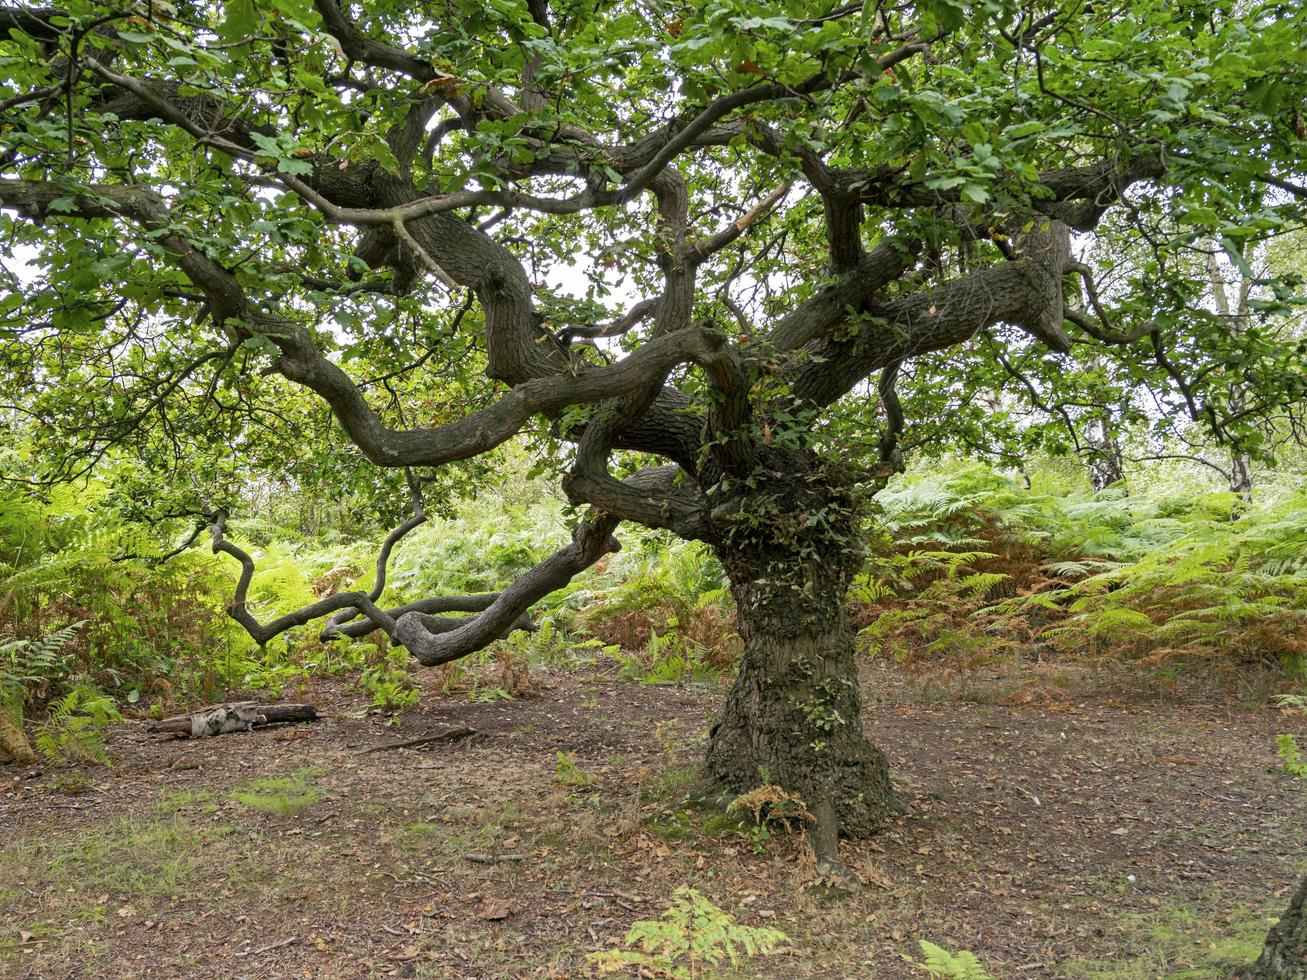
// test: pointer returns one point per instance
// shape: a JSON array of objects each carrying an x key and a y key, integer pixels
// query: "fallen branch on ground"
[
  {"x": 268, "y": 949},
  {"x": 453, "y": 735}
]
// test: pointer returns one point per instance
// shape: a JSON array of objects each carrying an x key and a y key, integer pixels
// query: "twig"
[
  {"x": 493, "y": 858},
  {"x": 268, "y": 949},
  {"x": 453, "y": 735},
  {"x": 626, "y": 895}
]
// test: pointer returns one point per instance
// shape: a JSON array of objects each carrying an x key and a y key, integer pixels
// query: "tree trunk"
[
  {"x": 793, "y": 718},
  {"x": 1241, "y": 475},
  {"x": 1284, "y": 957},
  {"x": 13, "y": 743},
  {"x": 1105, "y": 462}
]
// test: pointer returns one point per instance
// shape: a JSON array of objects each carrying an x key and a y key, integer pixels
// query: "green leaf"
[{"x": 240, "y": 19}]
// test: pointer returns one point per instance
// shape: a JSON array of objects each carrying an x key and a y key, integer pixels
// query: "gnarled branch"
[{"x": 591, "y": 540}]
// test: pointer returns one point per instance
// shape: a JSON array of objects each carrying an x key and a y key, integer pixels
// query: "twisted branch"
[
  {"x": 591, "y": 540},
  {"x": 262, "y": 633}
]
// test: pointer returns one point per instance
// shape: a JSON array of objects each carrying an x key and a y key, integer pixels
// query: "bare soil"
[{"x": 1114, "y": 837}]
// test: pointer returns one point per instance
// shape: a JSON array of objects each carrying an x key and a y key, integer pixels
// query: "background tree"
[{"x": 227, "y": 221}]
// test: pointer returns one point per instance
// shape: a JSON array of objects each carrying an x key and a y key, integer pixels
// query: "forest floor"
[{"x": 1113, "y": 837}]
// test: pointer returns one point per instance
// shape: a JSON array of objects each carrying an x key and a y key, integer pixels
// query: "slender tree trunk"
[
  {"x": 793, "y": 718},
  {"x": 1284, "y": 957},
  {"x": 1241, "y": 476},
  {"x": 1105, "y": 468}
]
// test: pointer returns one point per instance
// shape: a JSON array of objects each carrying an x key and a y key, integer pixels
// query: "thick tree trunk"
[
  {"x": 1284, "y": 957},
  {"x": 793, "y": 718}
]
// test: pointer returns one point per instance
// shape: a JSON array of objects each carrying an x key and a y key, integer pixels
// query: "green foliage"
[
  {"x": 28, "y": 667},
  {"x": 668, "y": 659},
  {"x": 691, "y": 939},
  {"x": 392, "y": 688},
  {"x": 663, "y": 600},
  {"x": 1287, "y": 749},
  {"x": 568, "y": 772},
  {"x": 147, "y": 629},
  {"x": 488, "y": 694},
  {"x": 946, "y": 965},
  {"x": 969, "y": 567},
  {"x": 1292, "y": 702},
  {"x": 74, "y": 728},
  {"x": 487, "y": 544}
]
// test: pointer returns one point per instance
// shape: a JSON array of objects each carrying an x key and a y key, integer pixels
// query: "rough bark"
[
  {"x": 794, "y": 717},
  {"x": 1284, "y": 957},
  {"x": 14, "y": 746},
  {"x": 1105, "y": 464}
]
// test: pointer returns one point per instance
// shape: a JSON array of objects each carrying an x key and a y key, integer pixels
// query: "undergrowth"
[
  {"x": 966, "y": 570},
  {"x": 971, "y": 570}
]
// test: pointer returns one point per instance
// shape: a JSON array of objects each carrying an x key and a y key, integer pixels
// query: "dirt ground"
[{"x": 1106, "y": 838}]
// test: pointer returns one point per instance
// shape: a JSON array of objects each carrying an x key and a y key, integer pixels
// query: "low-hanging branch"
[
  {"x": 592, "y": 539},
  {"x": 263, "y": 632},
  {"x": 342, "y": 608},
  {"x": 417, "y": 519}
]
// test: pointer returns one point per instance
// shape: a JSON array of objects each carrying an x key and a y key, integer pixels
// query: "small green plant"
[
  {"x": 1292, "y": 702},
  {"x": 947, "y": 965},
  {"x": 668, "y": 659},
  {"x": 69, "y": 783},
  {"x": 1290, "y": 754},
  {"x": 692, "y": 937},
  {"x": 488, "y": 693},
  {"x": 74, "y": 730},
  {"x": 393, "y": 689},
  {"x": 282, "y": 796},
  {"x": 766, "y": 808},
  {"x": 569, "y": 773}
]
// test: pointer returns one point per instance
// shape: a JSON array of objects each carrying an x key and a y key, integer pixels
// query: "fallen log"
[{"x": 236, "y": 716}]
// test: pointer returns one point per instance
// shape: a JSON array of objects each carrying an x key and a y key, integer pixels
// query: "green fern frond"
[{"x": 946, "y": 965}]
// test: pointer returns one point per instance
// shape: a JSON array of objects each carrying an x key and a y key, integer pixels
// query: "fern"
[
  {"x": 26, "y": 665},
  {"x": 691, "y": 939},
  {"x": 74, "y": 728},
  {"x": 942, "y": 963},
  {"x": 1290, "y": 755}
]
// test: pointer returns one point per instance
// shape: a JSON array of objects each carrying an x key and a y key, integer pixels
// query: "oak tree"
[{"x": 697, "y": 249}]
